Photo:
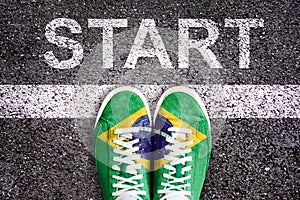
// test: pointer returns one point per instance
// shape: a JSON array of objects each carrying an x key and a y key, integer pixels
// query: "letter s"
[{"x": 63, "y": 42}]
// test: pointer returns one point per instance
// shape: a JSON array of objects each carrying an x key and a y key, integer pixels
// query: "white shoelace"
[
  {"x": 175, "y": 187},
  {"x": 127, "y": 188}
]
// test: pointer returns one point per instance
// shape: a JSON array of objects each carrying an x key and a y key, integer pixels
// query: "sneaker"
[
  {"x": 122, "y": 145},
  {"x": 181, "y": 145}
]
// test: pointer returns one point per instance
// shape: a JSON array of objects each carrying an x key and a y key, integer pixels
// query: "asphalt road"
[{"x": 251, "y": 158}]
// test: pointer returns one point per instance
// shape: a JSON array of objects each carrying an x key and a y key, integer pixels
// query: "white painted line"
[{"x": 227, "y": 101}]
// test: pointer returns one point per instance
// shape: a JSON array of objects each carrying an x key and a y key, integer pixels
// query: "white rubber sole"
[
  {"x": 186, "y": 90},
  {"x": 112, "y": 93}
]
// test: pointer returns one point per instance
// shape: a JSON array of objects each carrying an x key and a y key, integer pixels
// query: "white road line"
[{"x": 227, "y": 101}]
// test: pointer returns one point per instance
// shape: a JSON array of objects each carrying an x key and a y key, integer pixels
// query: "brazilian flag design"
[
  {"x": 181, "y": 107},
  {"x": 121, "y": 109}
]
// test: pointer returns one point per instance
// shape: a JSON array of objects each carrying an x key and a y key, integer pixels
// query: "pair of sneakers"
[{"x": 140, "y": 159}]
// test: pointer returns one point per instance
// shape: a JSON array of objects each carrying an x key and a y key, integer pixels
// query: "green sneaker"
[
  {"x": 122, "y": 145},
  {"x": 181, "y": 145}
]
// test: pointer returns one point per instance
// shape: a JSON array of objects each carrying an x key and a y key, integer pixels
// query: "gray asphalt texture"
[
  {"x": 251, "y": 158},
  {"x": 274, "y": 48}
]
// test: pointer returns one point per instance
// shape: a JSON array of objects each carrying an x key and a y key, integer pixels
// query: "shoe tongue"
[
  {"x": 128, "y": 198},
  {"x": 178, "y": 170}
]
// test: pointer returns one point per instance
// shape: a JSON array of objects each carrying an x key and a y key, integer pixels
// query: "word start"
[{"x": 148, "y": 27}]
